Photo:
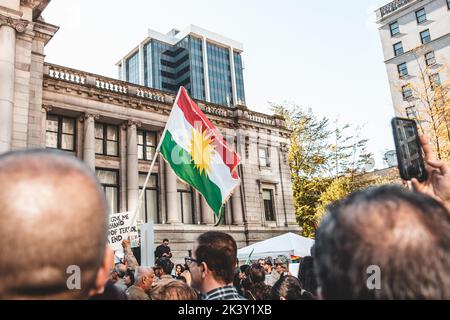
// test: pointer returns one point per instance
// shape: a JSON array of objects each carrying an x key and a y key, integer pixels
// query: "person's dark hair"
[
  {"x": 306, "y": 275},
  {"x": 287, "y": 287},
  {"x": 257, "y": 289},
  {"x": 164, "y": 240},
  {"x": 236, "y": 279},
  {"x": 245, "y": 268},
  {"x": 165, "y": 264},
  {"x": 268, "y": 261},
  {"x": 256, "y": 273},
  {"x": 181, "y": 266},
  {"x": 219, "y": 251},
  {"x": 130, "y": 273},
  {"x": 404, "y": 234}
]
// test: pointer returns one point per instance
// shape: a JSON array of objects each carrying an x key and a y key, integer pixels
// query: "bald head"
[
  {"x": 53, "y": 215},
  {"x": 405, "y": 234}
]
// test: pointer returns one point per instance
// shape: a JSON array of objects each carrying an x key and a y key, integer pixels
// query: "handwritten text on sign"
[{"x": 119, "y": 225}]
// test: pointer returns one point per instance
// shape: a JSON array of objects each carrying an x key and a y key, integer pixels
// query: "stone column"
[
  {"x": 8, "y": 28},
  {"x": 173, "y": 216},
  {"x": 132, "y": 165},
  {"x": 89, "y": 139},
  {"x": 206, "y": 69},
  {"x": 207, "y": 213},
  {"x": 236, "y": 202},
  {"x": 44, "y": 110},
  {"x": 7, "y": 77}
]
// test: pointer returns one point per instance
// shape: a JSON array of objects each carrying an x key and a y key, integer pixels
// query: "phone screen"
[{"x": 409, "y": 151}]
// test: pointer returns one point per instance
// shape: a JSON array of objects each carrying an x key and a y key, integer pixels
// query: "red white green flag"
[{"x": 198, "y": 154}]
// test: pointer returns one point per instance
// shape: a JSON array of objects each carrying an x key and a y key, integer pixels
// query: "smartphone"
[{"x": 409, "y": 151}]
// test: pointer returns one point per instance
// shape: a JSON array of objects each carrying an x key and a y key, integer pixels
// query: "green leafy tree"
[{"x": 322, "y": 168}]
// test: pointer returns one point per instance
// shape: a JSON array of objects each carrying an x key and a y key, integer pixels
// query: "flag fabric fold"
[{"x": 198, "y": 154}]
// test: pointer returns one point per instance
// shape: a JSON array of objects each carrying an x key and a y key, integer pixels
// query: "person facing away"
[
  {"x": 54, "y": 219},
  {"x": 176, "y": 290},
  {"x": 212, "y": 265},
  {"x": 143, "y": 283},
  {"x": 306, "y": 275},
  {"x": 163, "y": 250},
  {"x": 257, "y": 289},
  {"x": 384, "y": 243},
  {"x": 287, "y": 288}
]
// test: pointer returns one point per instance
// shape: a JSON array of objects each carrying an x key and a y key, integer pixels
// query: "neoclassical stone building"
[{"x": 114, "y": 127}]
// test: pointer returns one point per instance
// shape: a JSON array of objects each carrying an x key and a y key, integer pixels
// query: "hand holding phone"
[
  {"x": 437, "y": 185},
  {"x": 409, "y": 151}
]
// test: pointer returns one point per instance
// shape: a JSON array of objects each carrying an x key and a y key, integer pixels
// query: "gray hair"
[{"x": 142, "y": 272}]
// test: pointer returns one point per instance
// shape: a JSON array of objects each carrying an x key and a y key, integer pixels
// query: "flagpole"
[{"x": 141, "y": 194}]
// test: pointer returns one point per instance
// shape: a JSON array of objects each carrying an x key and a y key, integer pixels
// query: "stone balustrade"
[
  {"x": 66, "y": 75},
  {"x": 125, "y": 88},
  {"x": 391, "y": 7},
  {"x": 261, "y": 118}
]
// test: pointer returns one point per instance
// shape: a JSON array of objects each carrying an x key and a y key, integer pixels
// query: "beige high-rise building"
[
  {"x": 415, "y": 36},
  {"x": 114, "y": 126}
]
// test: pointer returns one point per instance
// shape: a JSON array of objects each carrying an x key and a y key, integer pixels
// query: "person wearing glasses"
[{"x": 212, "y": 265}]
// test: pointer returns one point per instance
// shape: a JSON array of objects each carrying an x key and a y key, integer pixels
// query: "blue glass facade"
[
  {"x": 196, "y": 85},
  {"x": 219, "y": 72},
  {"x": 132, "y": 65},
  {"x": 238, "y": 70},
  {"x": 167, "y": 67}
]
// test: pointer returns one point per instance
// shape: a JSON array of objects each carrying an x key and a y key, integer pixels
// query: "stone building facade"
[
  {"x": 114, "y": 126},
  {"x": 415, "y": 37}
]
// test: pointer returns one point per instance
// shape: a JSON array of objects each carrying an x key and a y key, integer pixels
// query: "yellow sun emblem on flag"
[{"x": 201, "y": 150}]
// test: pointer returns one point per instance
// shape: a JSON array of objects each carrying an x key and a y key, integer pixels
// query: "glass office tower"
[{"x": 208, "y": 65}]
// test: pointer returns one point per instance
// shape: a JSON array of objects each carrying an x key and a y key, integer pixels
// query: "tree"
[
  {"x": 318, "y": 162},
  {"x": 430, "y": 100}
]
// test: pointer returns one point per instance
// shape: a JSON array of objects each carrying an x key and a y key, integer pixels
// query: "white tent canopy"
[{"x": 287, "y": 244}]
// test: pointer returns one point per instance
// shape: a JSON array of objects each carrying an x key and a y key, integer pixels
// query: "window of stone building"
[
  {"x": 448, "y": 4},
  {"x": 402, "y": 70},
  {"x": 430, "y": 58},
  {"x": 106, "y": 139},
  {"x": 263, "y": 154},
  {"x": 109, "y": 180},
  {"x": 425, "y": 36},
  {"x": 146, "y": 145},
  {"x": 394, "y": 28},
  {"x": 60, "y": 132},
  {"x": 411, "y": 112},
  {"x": 185, "y": 203},
  {"x": 406, "y": 92},
  {"x": 398, "y": 48},
  {"x": 150, "y": 202},
  {"x": 435, "y": 80},
  {"x": 269, "y": 209},
  {"x": 421, "y": 16}
]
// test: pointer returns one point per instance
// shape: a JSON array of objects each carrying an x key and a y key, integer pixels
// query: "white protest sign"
[{"x": 119, "y": 225}]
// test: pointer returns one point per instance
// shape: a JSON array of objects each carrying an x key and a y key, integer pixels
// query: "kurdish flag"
[{"x": 198, "y": 154}]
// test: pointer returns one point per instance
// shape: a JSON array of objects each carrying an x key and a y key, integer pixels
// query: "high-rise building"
[
  {"x": 207, "y": 64},
  {"x": 415, "y": 36}
]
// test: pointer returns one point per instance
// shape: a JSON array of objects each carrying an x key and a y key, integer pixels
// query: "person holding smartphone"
[{"x": 437, "y": 185}]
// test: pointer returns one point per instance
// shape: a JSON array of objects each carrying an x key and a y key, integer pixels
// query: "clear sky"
[{"x": 325, "y": 55}]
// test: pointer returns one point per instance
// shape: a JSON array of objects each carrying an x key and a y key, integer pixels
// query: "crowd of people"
[{"x": 381, "y": 243}]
